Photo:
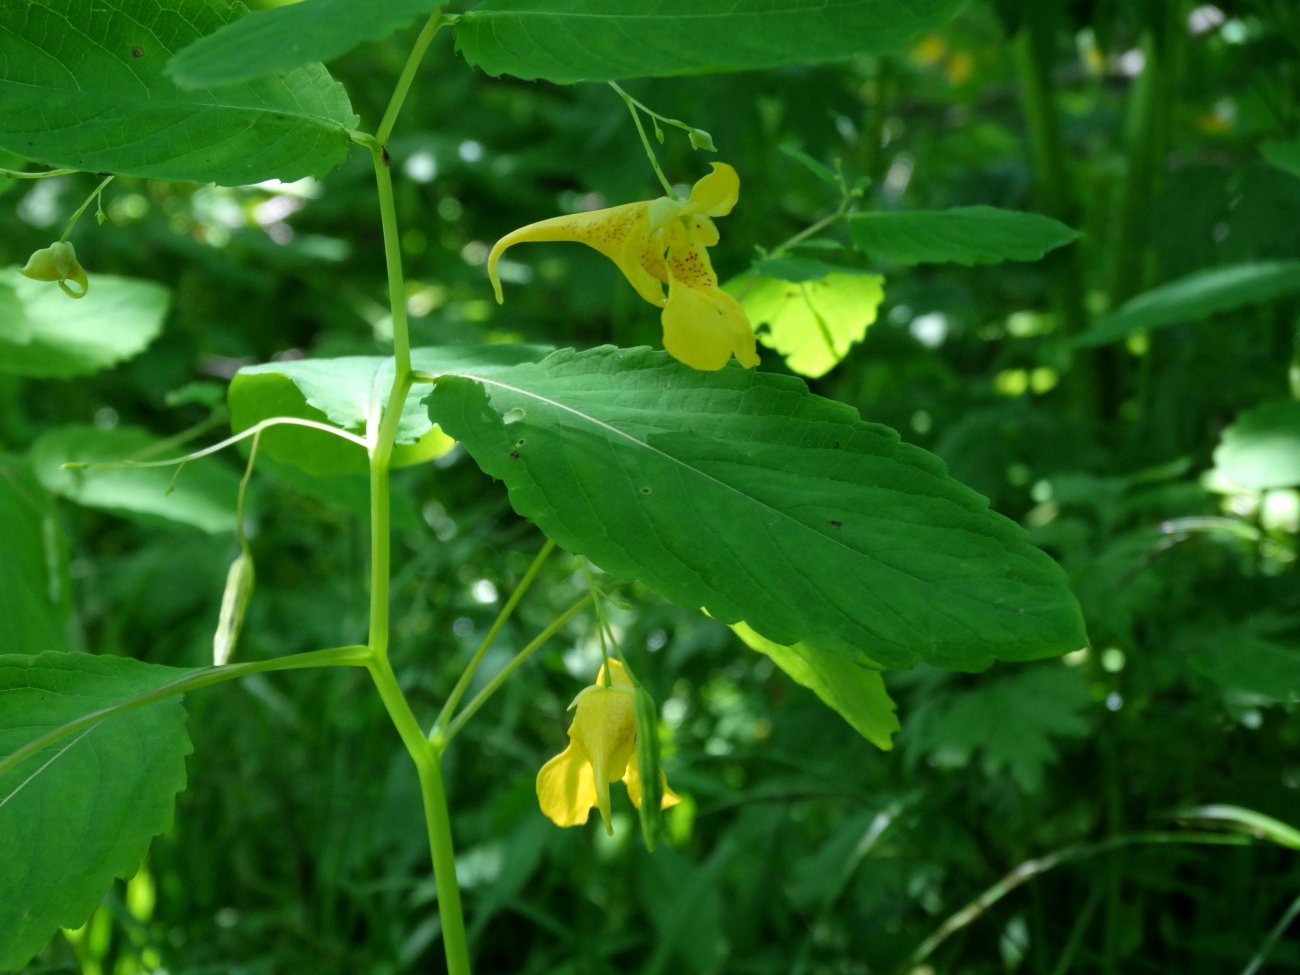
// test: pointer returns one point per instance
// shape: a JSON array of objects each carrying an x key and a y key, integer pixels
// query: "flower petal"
[
  {"x": 566, "y": 790},
  {"x": 632, "y": 779},
  {"x": 604, "y": 731},
  {"x": 704, "y": 326},
  {"x": 58, "y": 262},
  {"x": 621, "y": 233},
  {"x": 716, "y": 193}
]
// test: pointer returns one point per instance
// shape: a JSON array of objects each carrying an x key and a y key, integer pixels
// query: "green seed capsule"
[{"x": 646, "y": 713}]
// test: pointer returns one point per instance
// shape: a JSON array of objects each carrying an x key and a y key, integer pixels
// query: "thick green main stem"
[{"x": 381, "y": 437}]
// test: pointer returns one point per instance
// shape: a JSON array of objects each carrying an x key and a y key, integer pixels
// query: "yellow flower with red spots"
[{"x": 664, "y": 242}]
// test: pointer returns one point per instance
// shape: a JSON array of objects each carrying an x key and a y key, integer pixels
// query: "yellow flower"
[
  {"x": 58, "y": 262},
  {"x": 658, "y": 242},
  {"x": 602, "y": 749}
]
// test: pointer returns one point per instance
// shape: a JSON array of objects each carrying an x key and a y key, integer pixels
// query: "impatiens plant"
[{"x": 832, "y": 546}]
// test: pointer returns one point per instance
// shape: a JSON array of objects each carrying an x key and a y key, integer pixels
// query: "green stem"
[
  {"x": 444, "y": 738},
  {"x": 457, "y": 692},
  {"x": 436, "y": 815},
  {"x": 393, "y": 264},
  {"x": 632, "y": 106},
  {"x": 436, "y": 20},
  {"x": 351, "y": 656},
  {"x": 82, "y": 209}
]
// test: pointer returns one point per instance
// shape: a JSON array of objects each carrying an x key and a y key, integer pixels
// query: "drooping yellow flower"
[
  {"x": 664, "y": 242},
  {"x": 602, "y": 749},
  {"x": 58, "y": 262}
]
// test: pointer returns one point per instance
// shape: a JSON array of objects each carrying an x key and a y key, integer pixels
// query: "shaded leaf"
[
  {"x": 34, "y": 581},
  {"x": 344, "y": 393},
  {"x": 59, "y": 337},
  {"x": 744, "y": 494},
  {"x": 1257, "y": 656},
  {"x": 961, "y": 235},
  {"x": 84, "y": 810},
  {"x": 281, "y": 38},
  {"x": 83, "y": 87},
  {"x": 1197, "y": 297},
  {"x": 812, "y": 323},
  {"x": 202, "y": 495},
  {"x": 1283, "y": 155},
  {"x": 587, "y": 40},
  {"x": 1261, "y": 449},
  {"x": 1013, "y": 722},
  {"x": 851, "y": 688}
]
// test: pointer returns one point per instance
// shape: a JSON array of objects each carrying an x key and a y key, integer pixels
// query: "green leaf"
[
  {"x": 811, "y": 323},
  {"x": 589, "y": 40},
  {"x": 281, "y": 38},
  {"x": 343, "y": 393},
  {"x": 961, "y": 235},
  {"x": 15, "y": 329},
  {"x": 1252, "y": 657},
  {"x": 83, "y": 87},
  {"x": 851, "y": 688},
  {"x": 1013, "y": 722},
  {"x": 60, "y": 337},
  {"x": 201, "y": 495},
  {"x": 1197, "y": 297},
  {"x": 743, "y": 494},
  {"x": 1261, "y": 450},
  {"x": 1283, "y": 155},
  {"x": 820, "y": 170},
  {"x": 34, "y": 581},
  {"x": 83, "y": 810}
]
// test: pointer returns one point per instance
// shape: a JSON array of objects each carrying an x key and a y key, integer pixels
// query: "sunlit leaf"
[
  {"x": 742, "y": 493},
  {"x": 961, "y": 235},
  {"x": 853, "y": 690},
  {"x": 1262, "y": 447},
  {"x": 345, "y": 393},
  {"x": 281, "y": 38},
  {"x": 589, "y": 40},
  {"x": 83, "y": 810},
  {"x": 201, "y": 495},
  {"x": 812, "y": 323},
  {"x": 55, "y": 336},
  {"x": 83, "y": 87},
  {"x": 1196, "y": 298}
]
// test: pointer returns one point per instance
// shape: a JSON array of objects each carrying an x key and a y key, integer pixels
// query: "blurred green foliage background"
[{"x": 799, "y": 848}]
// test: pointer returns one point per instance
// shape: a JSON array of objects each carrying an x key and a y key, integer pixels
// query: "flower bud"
[{"x": 58, "y": 262}]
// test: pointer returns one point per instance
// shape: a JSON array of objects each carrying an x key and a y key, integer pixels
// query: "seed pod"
[
  {"x": 234, "y": 603},
  {"x": 646, "y": 713}
]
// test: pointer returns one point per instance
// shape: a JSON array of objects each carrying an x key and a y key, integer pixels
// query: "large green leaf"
[
  {"x": 590, "y": 40},
  {"x": 811, "y": 322},
  {"x": 962, "y": 235},
  {"x": 201, "y": 494},
  {"x": 34, "y": 582},
  {"x": 1197, "y": 297},
  {"x": 281, "y": 38},
  {"x": 83, "y": 810},
  {"x": 53, "y": 336},
  {"x": 1261, "y": 449},
  {"x": 345, "y": 393},
  {"x": 851, "y": 688},
  {"x": 744, "y": 494},
  {"x": 83, "y": 86}
]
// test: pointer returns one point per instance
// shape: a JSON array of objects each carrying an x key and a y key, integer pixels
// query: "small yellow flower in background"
[
  {"x": 58, "y": 262},
  {"x": 664, "y": 242},
  {"x": 602, "y": 749}
]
